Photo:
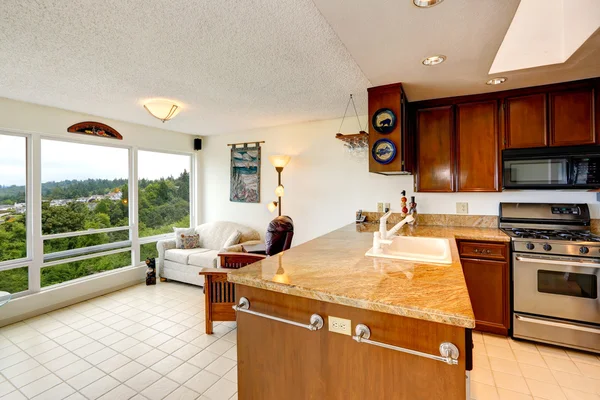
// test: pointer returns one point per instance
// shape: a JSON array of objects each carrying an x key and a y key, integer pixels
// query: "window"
[
  {"x": 86, "y": 223},
  {"x": 14, "y": 277},
  {"x": 13, "y": 191},
  {"x": 164, "y": 192},
  {"x": 85, "y": 210}
]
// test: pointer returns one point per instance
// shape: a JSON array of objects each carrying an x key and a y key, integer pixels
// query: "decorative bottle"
[{"x": 403, "y": 205}]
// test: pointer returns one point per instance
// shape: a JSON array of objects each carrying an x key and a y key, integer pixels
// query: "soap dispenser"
[{"x": 413, "y": 210}]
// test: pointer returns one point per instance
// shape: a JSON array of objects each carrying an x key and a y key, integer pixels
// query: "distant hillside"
[{"x": 69, "y": 189}]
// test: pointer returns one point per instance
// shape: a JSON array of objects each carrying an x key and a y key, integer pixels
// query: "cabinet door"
[
  {"x": 526, "y": 122},
  {"x": 572, "y": 118},
  {"x": 488, "y": 285},
  {"x": 478, "y": 154},
  {"x": 435, "y": 150}
]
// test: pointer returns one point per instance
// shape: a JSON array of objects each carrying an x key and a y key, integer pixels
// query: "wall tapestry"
[
  {"x": 245, "y": 173},
  {"x": 95, "y": 129}
]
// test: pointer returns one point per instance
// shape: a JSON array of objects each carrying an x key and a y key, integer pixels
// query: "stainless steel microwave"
[{"x": 551, "y": 168}]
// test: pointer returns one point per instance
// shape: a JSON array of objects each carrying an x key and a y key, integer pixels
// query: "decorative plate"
[
  {"x": 384, "y": 120},
  {"x": 384, "y": 151}
]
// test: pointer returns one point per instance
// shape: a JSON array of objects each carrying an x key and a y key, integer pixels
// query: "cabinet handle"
[
  {"x": 316, "y": 321},
  {"x": 488, "y": 251},
  {"x": 449, "y": 352},
  {"x": 476, "y": 251}
]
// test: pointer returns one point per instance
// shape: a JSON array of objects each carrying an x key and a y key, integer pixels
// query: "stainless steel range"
[{"x": 556, "y": 273}]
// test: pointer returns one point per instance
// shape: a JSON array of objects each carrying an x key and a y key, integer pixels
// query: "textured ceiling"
[
  {"x": 233, "y": 64},
  {"x": 390, "y": 38},
  {"x": 238, "y": 65}
]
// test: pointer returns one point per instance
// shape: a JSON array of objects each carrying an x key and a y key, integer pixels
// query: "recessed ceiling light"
[
  {"x": 496, "y": 81},
  {"x": 426, "y": 3},
  {"x": 434, "y": 60}
]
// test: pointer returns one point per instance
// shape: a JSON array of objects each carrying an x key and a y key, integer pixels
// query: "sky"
[{"x": 67, "y": 160}]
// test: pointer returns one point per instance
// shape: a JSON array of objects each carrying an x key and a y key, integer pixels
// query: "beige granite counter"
[{"x": 334, "y": 268}]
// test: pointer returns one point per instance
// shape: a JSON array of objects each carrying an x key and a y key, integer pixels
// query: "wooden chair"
[{"x": 219, "y": 295}]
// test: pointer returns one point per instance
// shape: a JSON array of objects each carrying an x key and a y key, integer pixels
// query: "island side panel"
[{"x": 281, "y": 361}]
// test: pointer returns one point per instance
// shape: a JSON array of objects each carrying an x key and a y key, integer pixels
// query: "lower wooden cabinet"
[
  {"x": 279, "y": 361},
  {"x": 488, "y": 282}
]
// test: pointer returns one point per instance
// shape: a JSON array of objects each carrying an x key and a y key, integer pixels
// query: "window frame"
[{"x": 33, "y": 189}]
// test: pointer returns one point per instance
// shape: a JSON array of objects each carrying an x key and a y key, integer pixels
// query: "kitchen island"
[{"x": 405, "y": 306}]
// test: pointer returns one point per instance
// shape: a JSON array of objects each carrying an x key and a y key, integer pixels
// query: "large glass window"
[
  {"x": 164, "y": 192},
  {"x": 85, "y": 188},
  {"x": 13, "y": 189}
]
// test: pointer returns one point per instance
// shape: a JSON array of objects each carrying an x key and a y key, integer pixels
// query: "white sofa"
[{"x": 184, "y": 265}]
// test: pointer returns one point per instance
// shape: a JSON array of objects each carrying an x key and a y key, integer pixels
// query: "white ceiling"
[
  {"x": 233, "y": 64},
  {"x": 390, "y": 38},
  {"x": 237, "y": 65}
]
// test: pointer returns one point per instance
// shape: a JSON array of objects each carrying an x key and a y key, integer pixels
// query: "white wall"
[{"x": 324, "y": 186}]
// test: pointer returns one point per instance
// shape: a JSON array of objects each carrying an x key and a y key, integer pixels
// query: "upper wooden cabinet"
[
  {"x": 477, "y": 145},
  {"x": 572, "y": 118},
  {"x": 392, "y": 98},
  {"x": 526, "y": 121},
  {"x": 435, "y": 149}
]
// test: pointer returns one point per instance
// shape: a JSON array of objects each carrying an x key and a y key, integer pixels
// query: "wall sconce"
[
  {"x": 279, "y": 162},
  {"x": 162, "y": 109}
]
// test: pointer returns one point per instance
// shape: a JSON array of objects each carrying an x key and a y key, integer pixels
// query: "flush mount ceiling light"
[
  {"x": 162, "y": 109},
  {"x": 434, "y": 60},
  {"x": 496, "y": 81},
  {"x": 426, "y": 3}
]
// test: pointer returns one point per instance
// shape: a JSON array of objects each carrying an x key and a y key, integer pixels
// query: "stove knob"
[
  {"x": 530, "y": 246},
  {"x": 584, "y": 250},
  {"x": 547, "y": 247}
]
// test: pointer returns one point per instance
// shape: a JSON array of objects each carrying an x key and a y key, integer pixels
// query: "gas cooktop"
[{"x": 550, "y": 234}]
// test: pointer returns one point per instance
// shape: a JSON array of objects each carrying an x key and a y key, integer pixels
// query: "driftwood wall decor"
[{"x": 95, "y": 129}]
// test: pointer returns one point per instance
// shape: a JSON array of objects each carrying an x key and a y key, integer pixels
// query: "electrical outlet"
[
  {"x": 462, "y": 208},
  {"x": 386, "y": 207},
  {"x": 340, "y": 325},
  {"x": 379, "y": 207}
]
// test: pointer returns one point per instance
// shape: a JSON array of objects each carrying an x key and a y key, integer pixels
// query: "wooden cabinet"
[
  {"x": 435, "y": 150},
  {"x": 477, "y": 147},
  {"x": 487, "y": 274},
  {"x": 281, "y": 361},
  {"x": 390, "y": 97},
  {"x": 572, "y": 118},
  {"x": 525, "y": 121}
]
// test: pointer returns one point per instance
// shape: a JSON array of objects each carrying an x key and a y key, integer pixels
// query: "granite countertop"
[{"x": 334, "y": 268}]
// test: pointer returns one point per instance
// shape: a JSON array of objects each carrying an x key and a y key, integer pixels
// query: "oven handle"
[
  {"x": 558, "y": 262},
  {"x": 558, "y": 324}
]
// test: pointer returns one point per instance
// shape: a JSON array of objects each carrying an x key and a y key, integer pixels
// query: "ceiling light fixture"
[
  {"x": 434, "y": 60},
  {"x": 496, "y": 81},
  {"x": 162, "y": 109},
  {"x": 426, "y": 3}
]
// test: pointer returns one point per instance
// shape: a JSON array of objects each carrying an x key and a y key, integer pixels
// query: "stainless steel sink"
[{"x": 418, "y": 249}]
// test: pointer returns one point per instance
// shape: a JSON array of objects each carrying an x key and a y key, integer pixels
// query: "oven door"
[
  {"x": 536, "y": 173},
  {"x": 559, "y": 287}
]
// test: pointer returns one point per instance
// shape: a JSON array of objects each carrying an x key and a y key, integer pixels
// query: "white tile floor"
[
  {"x": 149, "y": 343},
  {"x": 138, "y": 343},
  {"x": 506, "y": 369}
]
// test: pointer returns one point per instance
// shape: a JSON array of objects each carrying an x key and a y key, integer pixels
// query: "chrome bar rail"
[
  {"x": 448, "y": 351},
  {"x": 316, "y": 321}
]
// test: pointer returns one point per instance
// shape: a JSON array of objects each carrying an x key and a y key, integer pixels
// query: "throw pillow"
[
  {"x": 233, "y": 239},
  {"x": 179, "y": 233},
  {"x": 191, "y": 241}
]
